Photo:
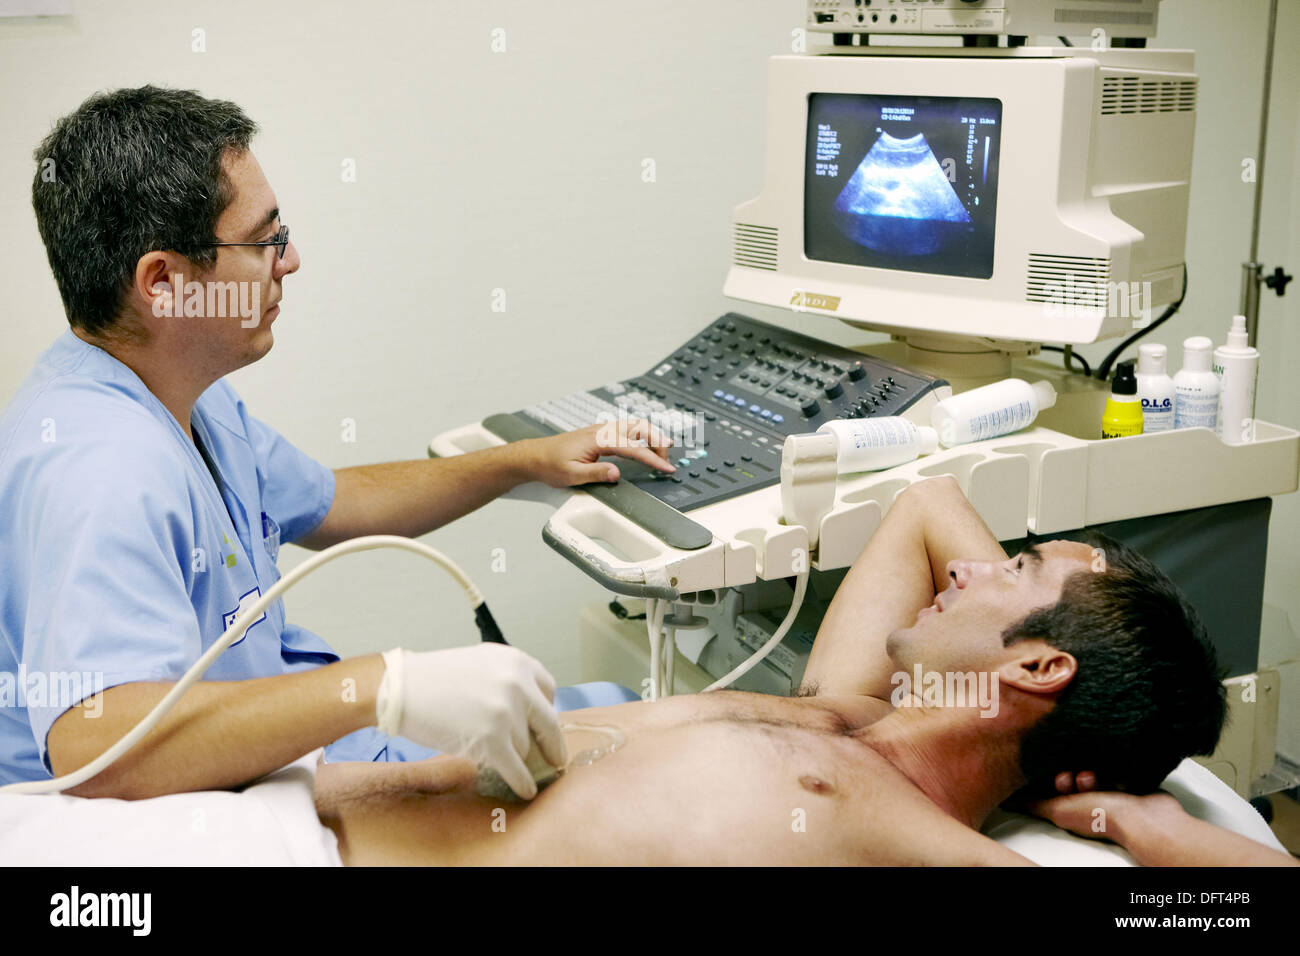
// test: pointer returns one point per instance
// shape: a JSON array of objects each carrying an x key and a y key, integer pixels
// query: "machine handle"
[
  {"x": 581, "y": 524},
  {"x": 620, "y": 580}
]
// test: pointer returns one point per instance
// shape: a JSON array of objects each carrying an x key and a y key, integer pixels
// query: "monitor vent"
[
  {"x": 754, "y": 246},
  {"x": 1068, "y": 280},
  {"x": 1136, "y": 18},
  {"x": 1133, "y": 94}
]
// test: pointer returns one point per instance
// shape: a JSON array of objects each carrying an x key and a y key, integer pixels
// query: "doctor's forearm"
[
  {"x": 220, "y": 734},
  {"x": 412, "y": 498}
]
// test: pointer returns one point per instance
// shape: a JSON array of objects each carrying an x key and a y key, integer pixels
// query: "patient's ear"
[{"x": 1038, "y": 668}]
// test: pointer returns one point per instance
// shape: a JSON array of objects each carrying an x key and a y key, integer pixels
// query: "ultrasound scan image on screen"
[{"x": 902, "y": 182}]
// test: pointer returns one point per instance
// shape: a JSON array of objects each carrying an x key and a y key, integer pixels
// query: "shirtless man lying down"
[{"x": 1101, "y": 665}]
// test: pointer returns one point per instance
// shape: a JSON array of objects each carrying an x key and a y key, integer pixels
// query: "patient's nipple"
[{"x": 816, "y": 785}]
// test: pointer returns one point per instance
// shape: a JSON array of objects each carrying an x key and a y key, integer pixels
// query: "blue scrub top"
[{"x": 122, "y": 556}]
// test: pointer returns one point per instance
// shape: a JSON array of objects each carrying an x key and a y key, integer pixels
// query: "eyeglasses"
[{"x": 281, "y": 239}]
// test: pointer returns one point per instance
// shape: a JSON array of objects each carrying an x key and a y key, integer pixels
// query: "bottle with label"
[
  {"x": 1155, "y": 389},
  {"x": 1123, "y": 414},
  {"x": 1196, "y": 387},
  {"x": 1237, "y": 366},
  {"x": 991, "y": 410},
  {"x": 869, "y": 444}
]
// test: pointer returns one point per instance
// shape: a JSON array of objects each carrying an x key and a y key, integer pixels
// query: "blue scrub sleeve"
[
  {"x": 297, "y": 490},
  {"x": 109, "y": 545}
]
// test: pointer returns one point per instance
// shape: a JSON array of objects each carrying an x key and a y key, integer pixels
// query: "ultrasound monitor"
[
  {"x": 902, "y": 182},
  {"x": 1006, "y": 196}
]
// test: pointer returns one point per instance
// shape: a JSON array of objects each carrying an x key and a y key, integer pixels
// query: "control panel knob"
[
  {"x": 810, "y": 408},
  {"x": 834, "y": 390},
  {"x": 857, "y": 373}
]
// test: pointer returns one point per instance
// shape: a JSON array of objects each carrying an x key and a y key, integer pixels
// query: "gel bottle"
[
  {"x": 1196, "y": 387},
  {"x": 873, "y": 444},
  {"x": 991, "y": 410},
  {"x": 1123, "y": 414},
  {"x": 1237, "y": 366},
  {"x": 1155, "y": 389}
]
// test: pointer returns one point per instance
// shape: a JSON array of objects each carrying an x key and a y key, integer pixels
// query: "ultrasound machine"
[{"x": 988, "y": 205}]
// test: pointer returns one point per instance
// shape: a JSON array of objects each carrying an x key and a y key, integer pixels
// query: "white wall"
[
  {"x": 522, "y": 170},
  {"x": 475, "y": 171}
]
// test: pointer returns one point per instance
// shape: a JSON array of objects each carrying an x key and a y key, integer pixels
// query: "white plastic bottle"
[
  {"x": 1237, "y": 366},
  {"x": 1196, "y": 387},
  {"x": 1155, "y": 389},
  {"x": 869, "y": 444},
  {"x": 991, "y": 410}
]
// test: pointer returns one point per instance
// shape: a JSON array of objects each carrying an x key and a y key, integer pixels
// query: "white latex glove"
[{"x": 486, "y": 702}]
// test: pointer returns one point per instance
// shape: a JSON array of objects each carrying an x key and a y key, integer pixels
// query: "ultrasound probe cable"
[
  {"x": 483, "y": 617},
  {"x": 654, "y": 616},
  {"x": 800, "y": 589}
]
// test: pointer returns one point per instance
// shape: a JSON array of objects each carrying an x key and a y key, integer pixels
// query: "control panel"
[{"x": 728, "y": 398}]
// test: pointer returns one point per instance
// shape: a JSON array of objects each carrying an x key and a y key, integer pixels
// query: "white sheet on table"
[
  {"x": 274, "y": 823},
  {"x": 271, "y": 823}
]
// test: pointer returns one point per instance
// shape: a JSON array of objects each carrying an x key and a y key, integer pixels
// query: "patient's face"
[{"x": 962, "y": 630}]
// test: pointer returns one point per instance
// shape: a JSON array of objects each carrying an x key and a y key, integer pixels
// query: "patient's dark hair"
[
  {"x": 1148, "y": 691},
  {"x": 126, "y": 173}
]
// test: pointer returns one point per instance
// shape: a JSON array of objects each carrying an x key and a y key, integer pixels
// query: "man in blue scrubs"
[{"x": 143, "y": 506}]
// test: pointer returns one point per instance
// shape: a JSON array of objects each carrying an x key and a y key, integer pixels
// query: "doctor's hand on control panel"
[{"x": 573, "y": 458}]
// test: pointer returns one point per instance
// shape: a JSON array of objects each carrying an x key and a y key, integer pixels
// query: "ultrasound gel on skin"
[
  {"x": 990, "y": 411},
  {"x": 586, "y": 744}
]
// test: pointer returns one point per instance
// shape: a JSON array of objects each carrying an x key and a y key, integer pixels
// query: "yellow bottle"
[{"x": 1123, "y": 414}]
